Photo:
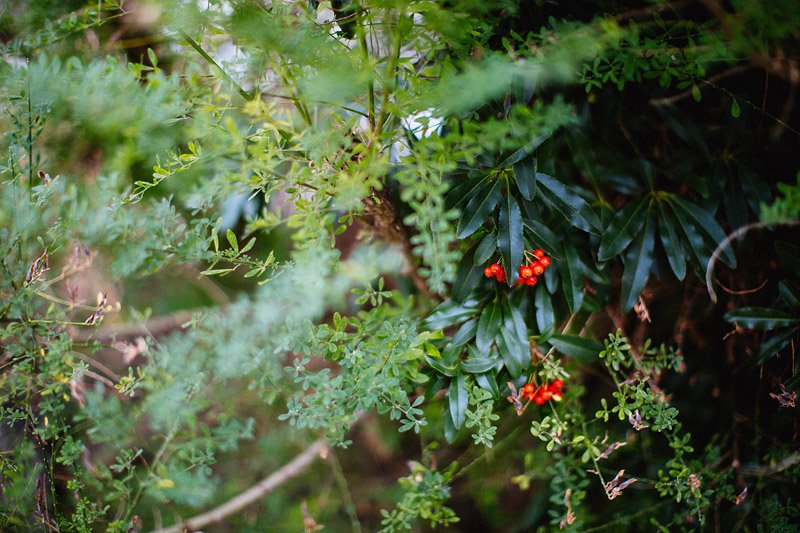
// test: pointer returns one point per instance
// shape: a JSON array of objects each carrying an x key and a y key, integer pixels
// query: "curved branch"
[
  {"x": 288, "y": 471},
  {"x": 712, "y": 293}
]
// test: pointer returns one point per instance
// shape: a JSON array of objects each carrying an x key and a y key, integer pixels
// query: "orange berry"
[
  {"x": 545, "y": 261},
  {"x": 528, "y": 390},
  {"x": 537, "y": 268},
  {"x": 526, "y": 271},
  {"x": 496, "y": 268},
  {"x": 488, "y": 272},
  {"x": 538, "y": 253}
]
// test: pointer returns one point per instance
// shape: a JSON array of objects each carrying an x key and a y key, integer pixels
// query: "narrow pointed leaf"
[
  {"x": 775, "y": 344},
  {"x": 450, "y": 312},
  {"x": 673, "y": 247},
  {"x": 638, "y": 260},
  {"x": 478, "y": 208},
  {"x": 579, "y": 348},
  {"x": 571, "y": 272},
  {"x": 509, "y": 352},
  {"x": 761, "y": 318},
  {"x": 468, "y": 276},
  {"x": 568, "y": 203},
  {"x": 479, "y": 365},
  {"x": 711, "y": 231},
  {"x": 488, "y": 326},
  {"x": 465, "y": 190},
  {"x": 465, "y": 333},
  {"x": 509, "y": 237},
  {"x": 625, "y": 226},
  {"x": 525, "y": 176},
  {"x": 694, "y": 244},
  {"x": 487, "y": 381},
  {"x": 545, "y": 317},
  {"x": 485, "y": 250},
  {"x": 457, "y": 400}
]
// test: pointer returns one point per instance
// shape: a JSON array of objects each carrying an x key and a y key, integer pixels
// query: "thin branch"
[
  {"x": 712, "y": 293},
  {"x": 290, "y": 470},
  {"x": 155, "y": 327},
  {"x": 670, "y": 100}
]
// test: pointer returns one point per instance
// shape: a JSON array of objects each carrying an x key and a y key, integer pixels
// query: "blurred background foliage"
[{"x": 230, "y": 228}]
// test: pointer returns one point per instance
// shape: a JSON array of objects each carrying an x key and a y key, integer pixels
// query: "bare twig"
[
  {"x": 712, "y": 293},
  {"x": 155, "y": 327},
  {"x": 288, "y": 471},
  {"x": 670, "y": 100}
]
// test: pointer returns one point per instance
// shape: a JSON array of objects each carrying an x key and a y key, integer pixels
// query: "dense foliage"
[{"x": 538, "y": 260}]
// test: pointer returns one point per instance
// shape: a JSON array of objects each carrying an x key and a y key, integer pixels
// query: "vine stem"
[{"x": 712, "y": 293}]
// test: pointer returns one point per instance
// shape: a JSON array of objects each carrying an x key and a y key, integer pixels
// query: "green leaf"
[
  {"x": 761, "y": 318},
  {"x": 696, "y": 96},
  {"x": 479, "y": 365},
  {"x": 571, "y": 272},
  {"x": 449, "y": 427},
  {"x": 485, "y": 250},
  {"x": 775, "y": 344},
  {"x": 790, "y": 293},
  {"x": 468, "y": 276},
  {"x": 488, "y": 326},
  {"x": 465, "y": 333},
  {"x": 541, "y": 235},
  {"x": 442, "y": 365},
  {"x": 707, "y": 226},
  {"x": 509, "y": 351},
  {"x": 457, "y": 398},
  {"x": 466, "y": 190},
  {"x": 637, "y": 266},
  {"x": 673, "y": 247},
  {"x": 579, "y": 348},
  {"x": 231, "y": 236},
  {"x": 510, "y": 240},
  {"x": 516, "y": 332},
  {"x": 525, "y": 176},
  {"x": 623, "y": 229},
  {"x": 545, "y": 318},
  {"x": 487, "y": 381},
  {"x": 568, "y": 203},
  {"x": 478, "y": 208},
  {"x": 697, "y": 249},
  {"x": 451, "y": 312},
  {"x": 735, "y": 109}
]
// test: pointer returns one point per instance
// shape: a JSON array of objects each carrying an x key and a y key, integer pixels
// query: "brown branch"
[
  {"x": 381, "y": 216},
  {"x": 288, "y": 471},
  {"x": 155, "y": 327},
  {"x": 670, "y": 100}
]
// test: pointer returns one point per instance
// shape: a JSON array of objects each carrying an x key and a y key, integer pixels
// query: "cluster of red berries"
[
  {"x": 547, "y": 392},
  {"x": 528, "y": 273}
]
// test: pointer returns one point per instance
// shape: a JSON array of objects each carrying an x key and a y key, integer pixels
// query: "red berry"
[
  {"x": 528, "y": 390},
  {"x": 538, "y": 399},
  {"x": 496, "y": 268},
  {"x": 531, "y": 280},
  {"x": 545, "y": 261},
  {"x": 501, "y": 276},
  {"x": 547, "y": 394},
  {"x": 526, "y": 271},
  {"x": 556, "y": 397},
  {"x": 488, "y": 272},
  {"x": 557, "y": 383},
  {"x": 537, "y": 268},
  {"x": 538, "y": 253}
]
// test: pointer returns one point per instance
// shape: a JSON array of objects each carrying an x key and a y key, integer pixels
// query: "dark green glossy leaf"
[
  {"x": 542, "y": 237},
  {"x": 487, "y": 381},
  {"x": 516, "y": 332},
  {"x": 696, "y": 248},
  {"x": 761, "y": 318},
  {"x": 790, "y": 293},
  {"x": 524, "y": 152},
  {"x": 625, "y": 226},
  {"x": 442, "y": 365},
  {"x": 488, "y": 326},
  {"x": 509, "y": 351},
  {"x": 673, "y": 247},
  {"x": 525, "y": 176},
  {"x": 707, "y": 226},
  {"x": 449, "y": 427},
  {"x": 545, "y": 317},
  {"x": 509, "y": 237},
  {"x": 775, "y": 344},
  {"x": 579, "y": 348},
  {"x": 568, "y": 203},
  {"x": 465, "y": 190},
  {"x": 479, "y": 365},
  {"x": 478, "y": 209},
  {"x": 638, "y": 260},
  {"x": 571, "y": 272},
  {"x": 468, "y": 276},
  {"x": 450, "y": 312},
  {"x": 485, "y": 250},
  {"x": 457, "y": 400},
  {"x": 465, "y": 333}
]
